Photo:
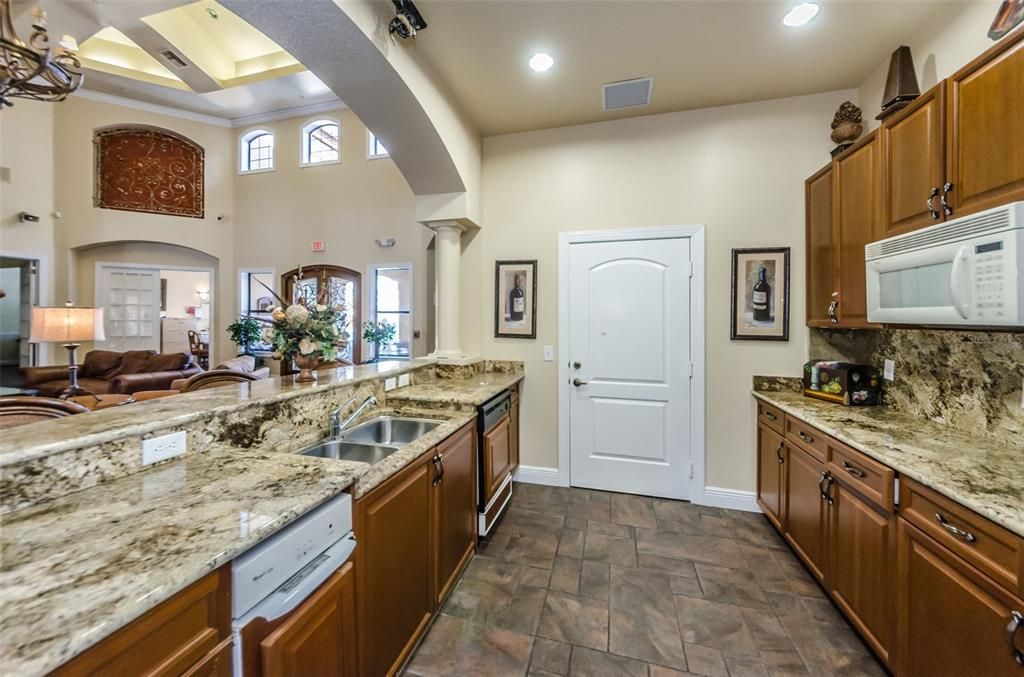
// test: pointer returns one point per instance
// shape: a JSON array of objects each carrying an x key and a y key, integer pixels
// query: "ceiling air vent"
[
  {"x": 627, "y": 93},
  {"x": 173, "y": 59}
]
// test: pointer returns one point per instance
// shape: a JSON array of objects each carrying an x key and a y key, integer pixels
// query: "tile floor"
[{"x": 580, "y": 582}]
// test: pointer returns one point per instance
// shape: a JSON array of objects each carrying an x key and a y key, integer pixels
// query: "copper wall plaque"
[{"x": 142, "y": 169}]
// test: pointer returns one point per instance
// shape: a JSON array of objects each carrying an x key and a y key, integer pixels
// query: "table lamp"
[{"x": 67, "y": 325}]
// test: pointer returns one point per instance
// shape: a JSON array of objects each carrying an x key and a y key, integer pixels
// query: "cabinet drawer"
[
  {"x": 864, "y": 475},
  {"x": 988, "y": 546},
  {"x": 808, "y": 437},
  {"x": 770, "y": 416}
]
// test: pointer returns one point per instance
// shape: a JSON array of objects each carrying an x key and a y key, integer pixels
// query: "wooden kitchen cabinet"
[
  {"x": 952, "y": 619},
  {"x": 513, "y": 434},
  {"x": 856, "y": 200},
  {"x": 187, "y": 632},
  {"x": 912, "y": 145},
  {"x": 454, "y": 510},
  {"x": 771, "y": 473},
  {"x": 395, "y": 599},
  {"x": 319, "y": 637},
  {"x": 822, "y": 273},
  {"x": 497, "y": 456},
  {"x": 985, "y": 129},
  {"x": 805, "y": 509}
]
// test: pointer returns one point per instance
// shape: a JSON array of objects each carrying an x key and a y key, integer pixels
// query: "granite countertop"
[
  {"x": 75, "y": 569},
  {"x": 981, "y": 473},
  {"x": 473, "y": 391}
]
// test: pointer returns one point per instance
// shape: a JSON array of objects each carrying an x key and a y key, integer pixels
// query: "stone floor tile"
[
  {"x": 660, "y": 671},
  {"x": 732, "y": 586},
  {"x": 610, "y": 529},
  {"x": 636, "y": 511},
  {"x": 576, "y": 620},
  {"x": 715, "y": 625},
  {"x": 682, "y": 585},
  {"x": 457, "y": 647},
  {"x": 590, "y": 663},
  {"x": 784, "y": 663},
  {"x": 484, "y": 604},
  {"x": 674, "y": 511},
  {"x": 565, "y": 575},
  {"x": 705, "y": 660},
  {"x": 533, "y": 549},
  {"x": 676, "y": 567},
  {"x": 528, "y": 521},
  {"x": 770, "y": 575},
  {"x": 506, "y": 576},
  {"x": 745, "y": 666},
  {"x": 570, "y": 543},
  {"x": 643, "y": 620},
  {"x": 709, "y": 549},
  {"x": 766, "y": 630},
  {"x": 591, "y": 511},
  {"x": 608, "y": 549},
  {"x": 550, "y": 656},
  {"x": 594, "y": 580}
]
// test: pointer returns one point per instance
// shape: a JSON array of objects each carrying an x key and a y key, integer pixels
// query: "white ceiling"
[{"x": 700, "y": 52}]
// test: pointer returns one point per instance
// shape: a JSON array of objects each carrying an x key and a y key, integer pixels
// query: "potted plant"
[
  {"x": 245, "y": 331},
  {"x": 379, "y": 333}
]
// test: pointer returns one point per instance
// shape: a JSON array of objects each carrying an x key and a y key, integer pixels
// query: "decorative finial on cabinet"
[
  {"x": 901, "y": 85},
  {"x": 846, "y": 126}
]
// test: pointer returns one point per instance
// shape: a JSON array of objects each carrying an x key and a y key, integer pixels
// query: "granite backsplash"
[{"x": 968, "y": 379}]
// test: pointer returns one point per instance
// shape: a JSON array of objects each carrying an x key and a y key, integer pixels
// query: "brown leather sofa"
[{"x": 107, "y": 371}]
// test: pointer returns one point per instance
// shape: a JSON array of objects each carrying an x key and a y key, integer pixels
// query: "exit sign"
[{"x": 319, "y": 246}]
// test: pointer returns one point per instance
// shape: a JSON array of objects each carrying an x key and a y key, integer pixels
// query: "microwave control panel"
[{"x": 990, "y": 300}]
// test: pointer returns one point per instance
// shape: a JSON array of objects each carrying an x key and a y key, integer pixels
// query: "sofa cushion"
[
  {"x": 243, "y": 363},
  {"x": 101, "y": 364},
  {"x": 135, "y": 361},
  {"x": 55, "y": 388},
  {"x": 168, "y": 362}
]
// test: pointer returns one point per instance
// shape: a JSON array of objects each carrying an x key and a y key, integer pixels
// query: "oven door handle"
[
  {"x": 299, "y": 587},
  {"x": 957, "y": 283}
]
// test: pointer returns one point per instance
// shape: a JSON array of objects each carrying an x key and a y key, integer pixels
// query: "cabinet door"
[
  {"x": 496, "y": 457},
  {"x": 861, "y": 548},
  {"x": 985, "y": 131},
  {"x": 771, "y": 462},
  {"x": 319, "y": 637},
  {"x": 395, "y": 600},
  {"x": 454, "y": 510},
  {"x": 805, "y": 509},
  {"x": 855, "y": 202},
  {"x": 821, "y": 266},
  {"x": 513, "y": 436},
  {"x": 913, "y": 164},
  {"x": 952, "y": 620}
]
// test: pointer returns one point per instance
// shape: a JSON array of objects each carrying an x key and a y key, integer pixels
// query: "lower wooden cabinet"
[
  {"x": 952, "y": 619},
  {"x": 176, "y": 637},
  {"x": 319, "y": 637},
  {"x": 453, "y": 510},
  {"x": 771, "y": 472},
  {"x": 806, "y": 524},
  {"x": 496, "y": 457},
  {"x": 513, "y": 433}
]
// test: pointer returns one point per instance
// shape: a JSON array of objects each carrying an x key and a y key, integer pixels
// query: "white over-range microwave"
[{"x": 968, "y": 271}]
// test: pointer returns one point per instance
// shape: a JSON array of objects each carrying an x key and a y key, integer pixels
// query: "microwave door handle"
[{"x": 957, "y": 286}]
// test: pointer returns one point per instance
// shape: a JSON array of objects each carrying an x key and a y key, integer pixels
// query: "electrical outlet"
[
  {"x": 889, "y": 370},
  {"x": 549, "y": 353},
  {"x": 403, "y": 380},
  {"x": 390, "y": 384},
  {"x": 157, "y": 449}
]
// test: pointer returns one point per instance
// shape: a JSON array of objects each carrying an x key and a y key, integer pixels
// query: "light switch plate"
[
  {"x": 390, "y": 384},
  {"x": 889, "y": 370},
  {"x": 549, "y": 353},
  {"x": 157, "y": 449},
  {"x": 403, "y": 380}
]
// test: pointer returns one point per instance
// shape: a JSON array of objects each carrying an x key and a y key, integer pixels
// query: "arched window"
[
  {"x": 321, "y": 143},
  {"x": 257, "y": 151}
]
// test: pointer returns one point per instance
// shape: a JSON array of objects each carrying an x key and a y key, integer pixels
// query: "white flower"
[
  {"x": 307, "y": 346},
  {"x": 267, "y": 335},
  {"x": 278, "y": 314},
  {"x": 296, "y": 314},
  {"x": 320, "y": 307}
]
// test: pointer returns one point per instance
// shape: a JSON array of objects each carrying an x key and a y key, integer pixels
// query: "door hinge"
[
  {"x": 691, "y": 267},
  {"x": 691, "y": 370},
  {"x": 691, "y": 470}
]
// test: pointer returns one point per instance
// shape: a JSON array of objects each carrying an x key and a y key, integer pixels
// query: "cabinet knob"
[{"x": 931, "y": 210}]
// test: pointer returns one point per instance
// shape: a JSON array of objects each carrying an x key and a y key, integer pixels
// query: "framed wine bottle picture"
[
  {"x": 760, "y": 294},
  {"x": 515, "y": 299}
]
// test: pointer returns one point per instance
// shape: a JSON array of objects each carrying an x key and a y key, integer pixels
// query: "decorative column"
[{"x": 448, "y": 253}]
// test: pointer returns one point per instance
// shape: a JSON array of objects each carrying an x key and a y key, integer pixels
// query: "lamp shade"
[{"x": 66, "y": 324}]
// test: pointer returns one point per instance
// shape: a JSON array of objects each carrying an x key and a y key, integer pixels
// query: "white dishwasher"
[{"x": 271, "y": 581}]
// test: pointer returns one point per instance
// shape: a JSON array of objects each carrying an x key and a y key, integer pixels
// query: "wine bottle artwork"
[
  {"x": 761, "y": 296},
  {"x": 516, "y": 301}
]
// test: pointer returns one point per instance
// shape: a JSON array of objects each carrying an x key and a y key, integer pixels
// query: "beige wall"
[
  {"x": 739, "y": 170},
  {"x": 937, "y": 55},
  {"x": 347, "y": 205},
  {"x": 182, "y": 293}
]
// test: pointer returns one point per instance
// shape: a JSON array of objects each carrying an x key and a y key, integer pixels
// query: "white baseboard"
[
  {"x": 733, "y": 499},
  {"x": 535, "y": 474}
]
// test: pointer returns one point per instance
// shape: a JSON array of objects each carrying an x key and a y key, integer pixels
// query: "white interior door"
[
  {"x": 130, "y": 298},
  {"x": 629, "y": 333},
  {"x": 29, "y": 296}
]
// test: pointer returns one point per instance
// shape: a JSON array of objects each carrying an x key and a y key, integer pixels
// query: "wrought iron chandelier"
[{"x": 33, "y": 70}]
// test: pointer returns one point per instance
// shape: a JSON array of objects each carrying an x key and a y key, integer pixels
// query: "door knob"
[{"x": 579, "y": 382}]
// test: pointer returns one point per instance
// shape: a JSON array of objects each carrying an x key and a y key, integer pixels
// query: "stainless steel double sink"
[{"x": 374, "y": 440}]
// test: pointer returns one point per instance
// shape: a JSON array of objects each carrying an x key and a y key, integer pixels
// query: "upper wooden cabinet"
[
  {"x": 985, "y": 130},
  {"x": 913, "y": 158},
  {"x": 856, "y": 197},
  {"x": 822, "y": 280}
]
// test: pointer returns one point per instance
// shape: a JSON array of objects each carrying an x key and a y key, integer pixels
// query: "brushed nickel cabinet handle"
[
  {"x": 833, "y": 307},
  {"x": 805, "y": 437},
  {"x": 956, "y": 531},
  {"x": 770, "y": 416},
  {"x": 438, "y": 469},
  {"x": 1015, "y": 624},
  {"x": 947, "y": 188},
  {"x": 931, "y": 210},
  {"x": 826, "y": 480},
  {"x": 856, "y": 472}
]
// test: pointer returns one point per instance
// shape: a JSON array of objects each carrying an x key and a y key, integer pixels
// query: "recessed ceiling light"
[
  {"x": 801, "y": 14},
  {"x": 541, "y": 61}
]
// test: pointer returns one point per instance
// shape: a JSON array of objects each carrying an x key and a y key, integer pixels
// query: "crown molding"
[{"x": 286, "y": 113}]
